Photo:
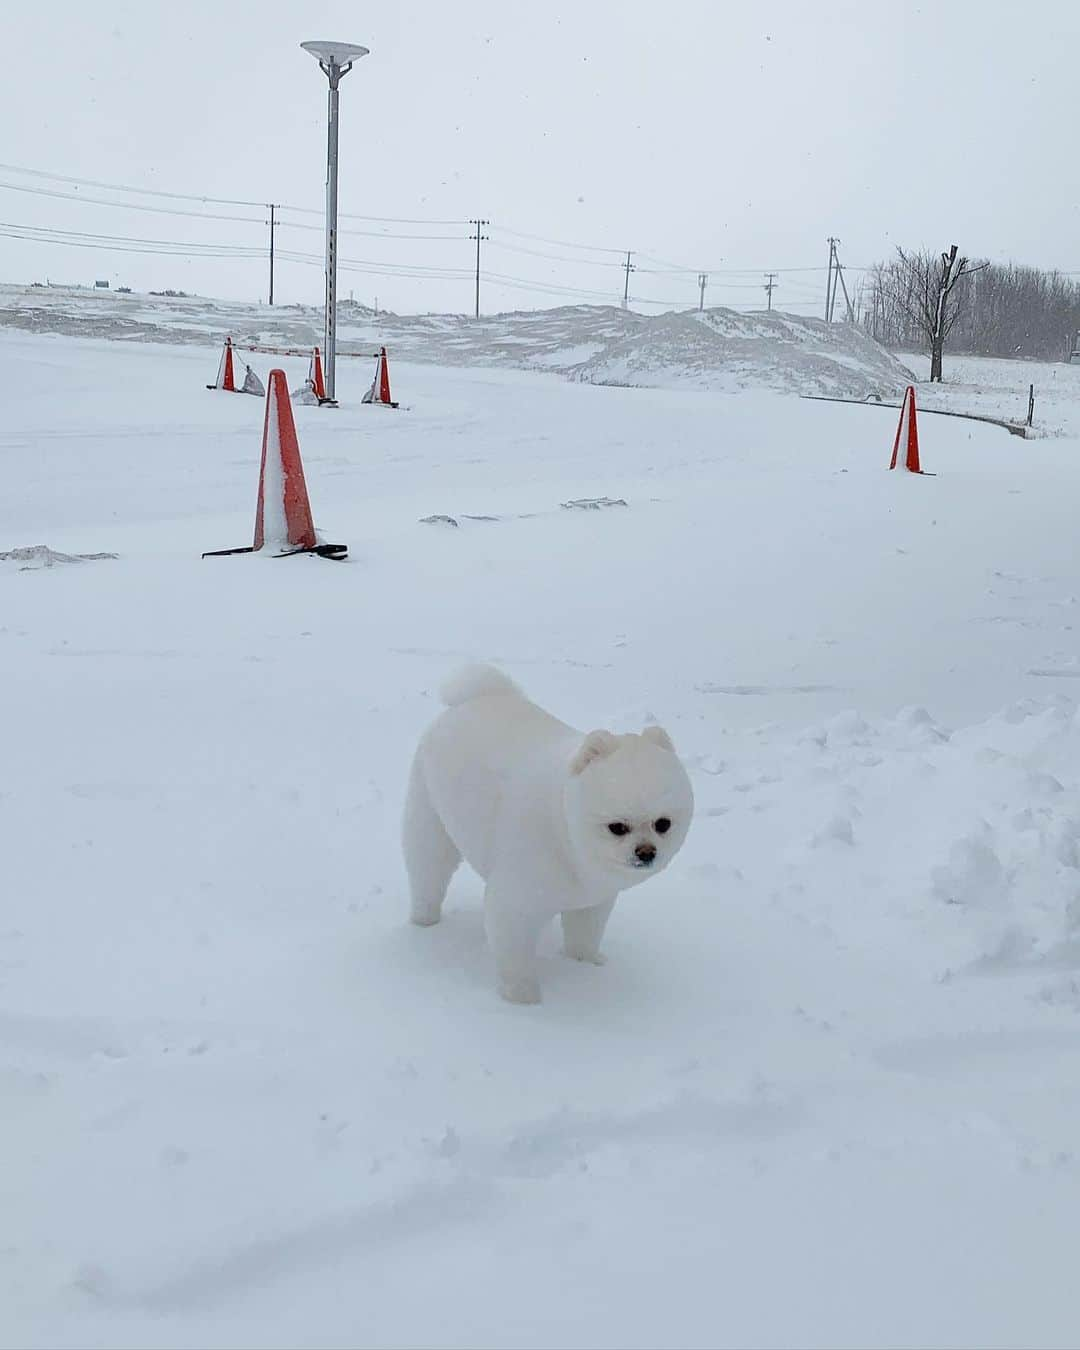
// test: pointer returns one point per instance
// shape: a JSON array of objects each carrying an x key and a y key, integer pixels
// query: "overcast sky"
[{"x": 730, "y": 138}]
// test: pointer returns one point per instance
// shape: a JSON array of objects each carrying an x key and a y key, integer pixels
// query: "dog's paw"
[
  {"x": 519, "y": 988},
  {"x": 590, "y": 958},
  {"x": 425, "y": 915}
]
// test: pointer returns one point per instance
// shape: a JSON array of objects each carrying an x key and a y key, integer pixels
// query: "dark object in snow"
[
  {"x": 439, "y": 520},
  {"x": 1013, "y": 428},
  {"x": 334, "y": 551},
  {"x": 593, "y": 503},
  {"x": 38, "y": 555}
]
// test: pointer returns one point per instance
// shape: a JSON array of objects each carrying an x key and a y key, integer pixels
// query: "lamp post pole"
[
  {"x": 333, "y": 74},
  {"x": 335, "y": 61}
]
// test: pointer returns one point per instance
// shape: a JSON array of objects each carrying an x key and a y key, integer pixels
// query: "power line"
[
  {"x": 385, "y": 220},
  {"x": 204, "y": 199},
  {"x": 164, "y": 248},
  {"x": 213, "y": 201},
  {"x": 44, "y": 234},
  {"x": 559, "y": 243},
  {"x": 555, "y": 257},
  {"x": 373, "y": 234},
  {"x": 664, "y": 264},
  {"x": 178, "y": 248},
  {"x": 181, "y": 248},
  {"x": 278, "y": 220},
  {"x": 130, "y": 206},
  {"x": 114, "y": 187},
  {"x": 211, "y": 215}
]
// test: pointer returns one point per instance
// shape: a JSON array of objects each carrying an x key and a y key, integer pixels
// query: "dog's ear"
[
  {"x": 596, "y": 745},
  {"x": 658, "y": 736}
]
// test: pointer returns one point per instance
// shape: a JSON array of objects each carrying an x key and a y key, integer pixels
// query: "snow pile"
[
  {"x": 714, "y": 349},
  {"x": 720, "y": 349},
  {"x": 40, "y": 555}
]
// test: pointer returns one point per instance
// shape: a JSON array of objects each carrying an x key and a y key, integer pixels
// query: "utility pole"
[
  {"x": 830, "y": 284},
  {"x": 702, "y": 278},
  {"x": 843, "y": 287},
  {"x": 770, "y": 284},
  {"x": 836, "y": 274},
  {"x": 628, "y": 267},
  {"x": 271, "y": 252},
  {"x": 478, "y": 236}
]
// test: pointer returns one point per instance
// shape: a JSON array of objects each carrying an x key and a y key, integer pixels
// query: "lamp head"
[{"x": 335, "y": 54}]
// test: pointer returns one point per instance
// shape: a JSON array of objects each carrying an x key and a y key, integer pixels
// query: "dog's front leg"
[
  {"x": 583, "y": 929},
  {"x": 513, "y": 931}
]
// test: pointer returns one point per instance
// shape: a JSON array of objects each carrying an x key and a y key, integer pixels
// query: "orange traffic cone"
[
  {"x": 380, "y": 385},
  {"x": 315, "y": 375},
  {"x": 313, "y": 390},
  {"x": 283, "y": 512},
  {"x": 905, "y": 451},
  {"x": 226, "y": 378}
]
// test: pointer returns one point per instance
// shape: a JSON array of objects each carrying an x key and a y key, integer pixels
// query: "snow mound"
[
  {"x": 718, "y": 348},
  {"x": 597, "y": 344},
  {"x": 37, "y": 556}
]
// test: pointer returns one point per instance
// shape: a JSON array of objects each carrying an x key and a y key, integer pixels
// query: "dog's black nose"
[{"x": 645, "y": 853}]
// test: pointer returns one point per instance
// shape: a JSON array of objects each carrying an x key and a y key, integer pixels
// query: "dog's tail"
[{"x": 478, "y": 681}]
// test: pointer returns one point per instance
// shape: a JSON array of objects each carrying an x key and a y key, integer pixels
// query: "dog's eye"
[
  {"x": 662, "y": 825},
  {"x": 617, "y": 827}
]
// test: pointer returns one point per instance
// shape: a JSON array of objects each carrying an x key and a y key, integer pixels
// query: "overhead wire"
[
  {"x": 560, "y": 243},
  {"x": 116, "y": 243},
  {"x": 213, "y": 201},
  {"x": 115, "y": 187},
  {"x": 127, "y": 206},
  {"x": 554, "y": 257},
  {"x": 386, "y": 220},
  {"x": 211, "y": 215},
  {"x": 178, "y": 248}
]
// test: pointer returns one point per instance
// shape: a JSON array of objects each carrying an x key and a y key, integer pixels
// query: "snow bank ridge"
[{"x": 590, "y": 344}]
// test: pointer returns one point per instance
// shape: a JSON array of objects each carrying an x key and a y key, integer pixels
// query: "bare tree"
[
  {"x": 925, "y": 291},
  {"x": 1004, "y": 310}
]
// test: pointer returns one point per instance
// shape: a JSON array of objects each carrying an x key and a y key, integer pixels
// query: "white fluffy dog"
[{"x": 555, "y": 822}]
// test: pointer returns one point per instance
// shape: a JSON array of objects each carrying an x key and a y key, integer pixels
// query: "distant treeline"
[{"x": 1002, "y": 311}]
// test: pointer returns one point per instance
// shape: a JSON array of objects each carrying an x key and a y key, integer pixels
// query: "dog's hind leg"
[
  {"x": 431, "y": 857},
  {"x": 583, "y": 929}
]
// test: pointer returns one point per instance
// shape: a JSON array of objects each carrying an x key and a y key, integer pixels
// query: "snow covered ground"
[
  {"x": 824, "y": 1092},
  {"x": 997, "y": 388}
]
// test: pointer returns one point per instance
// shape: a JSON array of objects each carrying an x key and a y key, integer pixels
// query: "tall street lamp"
[{"x": 335, "y": 60}]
